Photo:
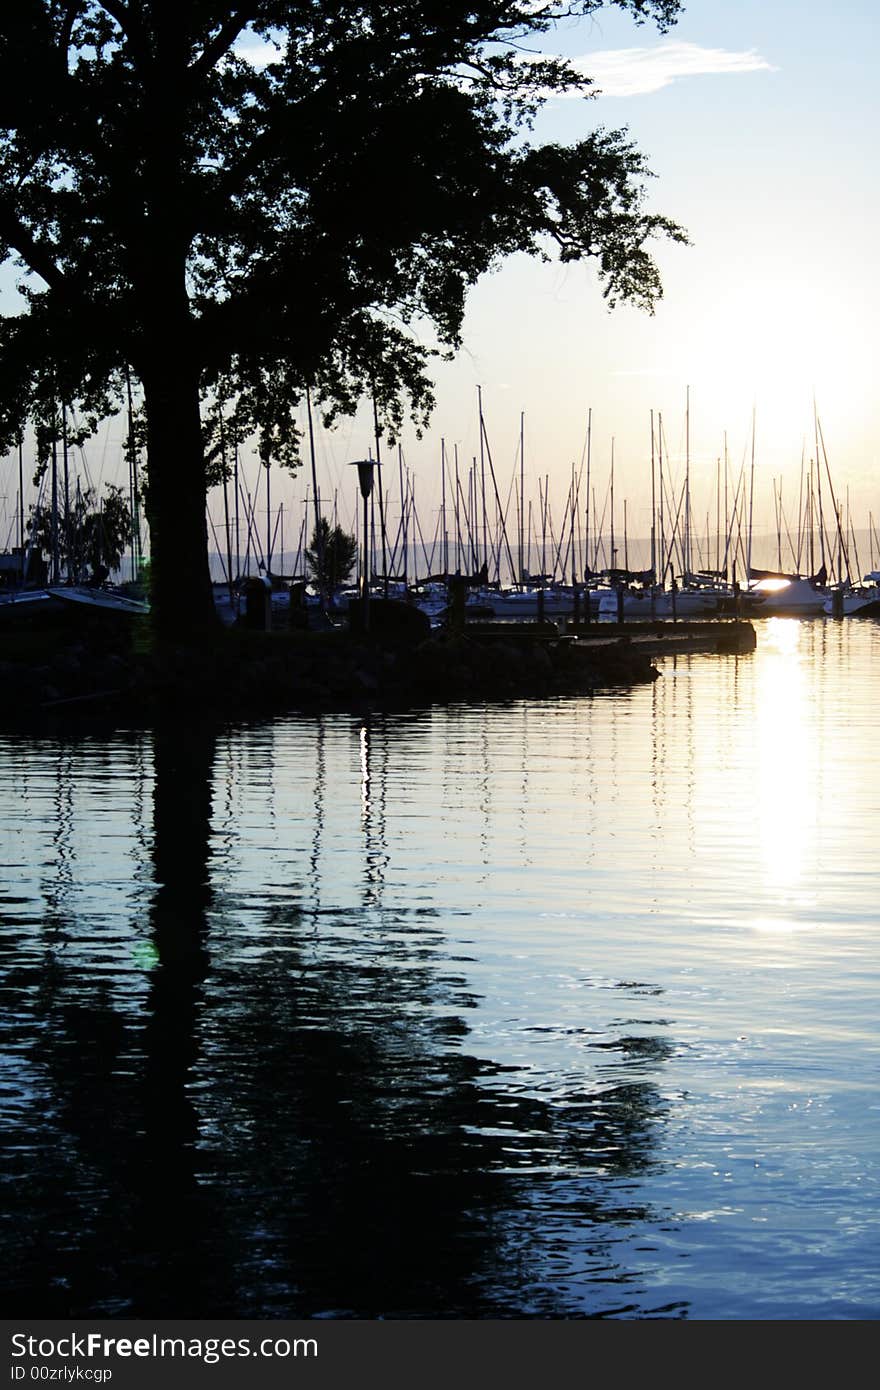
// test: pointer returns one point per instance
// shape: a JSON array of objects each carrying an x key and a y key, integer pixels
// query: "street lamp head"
[{"x": 365, "y": 475}]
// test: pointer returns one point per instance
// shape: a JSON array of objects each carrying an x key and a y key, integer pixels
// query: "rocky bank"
[{"x": 117, "y": 671}]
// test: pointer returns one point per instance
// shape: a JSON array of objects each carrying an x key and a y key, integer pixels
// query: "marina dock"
[{"x": 650, "y": 639}]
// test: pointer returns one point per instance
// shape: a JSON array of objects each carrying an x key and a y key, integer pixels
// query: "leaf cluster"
[
  {"x": 331, "y": 556},
  {"x": 91, "y": 536},
  {"x": 320, "y": 211}
]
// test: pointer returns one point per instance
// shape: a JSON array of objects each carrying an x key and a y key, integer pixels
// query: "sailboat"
[
  {"x": 640, "y": 596},
  {"x": 786, "y": 595},
  {"x": 861, "y": 600},
  {"x": 87, "y": 599}
]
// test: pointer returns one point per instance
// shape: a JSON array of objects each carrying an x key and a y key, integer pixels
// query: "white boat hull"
[
  {"x": 98, "y": 600},
  {"x": 529, "y": 604},
  {"x": 847, "y": 605},
  {"x": 641, "y": 603},
  {"x": 799, "y": 598}
]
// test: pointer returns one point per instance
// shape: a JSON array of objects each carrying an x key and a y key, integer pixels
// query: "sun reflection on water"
[
  {"x": 786, "y": 760},
  {"x": 776, "y": 926}
]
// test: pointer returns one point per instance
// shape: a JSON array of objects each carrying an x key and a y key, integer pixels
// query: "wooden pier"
[{"x": 670, "y": 638}]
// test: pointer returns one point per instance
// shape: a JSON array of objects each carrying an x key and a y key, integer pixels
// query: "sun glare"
[
  {"x": 770, "y": 346},
  {"x": 786, "y": 767}
]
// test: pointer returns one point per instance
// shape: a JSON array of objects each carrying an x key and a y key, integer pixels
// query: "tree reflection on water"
[{"x": 294, "y": 1127}]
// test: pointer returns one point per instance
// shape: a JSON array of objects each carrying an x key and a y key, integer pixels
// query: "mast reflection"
[
  {"x": 373, "y": 807},
  {"x": 303, "y": 1129}
]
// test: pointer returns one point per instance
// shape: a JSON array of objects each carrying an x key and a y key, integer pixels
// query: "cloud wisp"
[
  {"x": 627, "y": 72},
  {"x": 614, "y": 72}
]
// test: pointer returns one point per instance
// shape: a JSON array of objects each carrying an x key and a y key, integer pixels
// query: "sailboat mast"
[
  {"x": 653, "y": 509},
  {"x": 800, "y": 513},
  {"x": 21, "y": 499},
  {"x": 751, "y": 503},
  {"x": 522, "y": 494},
  {"x": 268, "y": 518},
  {"x": 457, "y": 515},
  {"x": 687, "y": 485},
  {"x": 404, "y": 516},
  {"x": 727, "y": 524},
  {"x": 661, "y": 512},
  {"x": 68, "y": 528},
  {"x": 445, "y": 533},
  {"x": 133, "y": 481},
  {"x": 587, "y": 512},
  {"x": 779, "y": 527},
  {"x": 613, "y": 553},
  {"x": 819, "y": 486},
  {"x": 717, "y": 516},
  {"x": 229, "y": 575},
  {"x": 237, "y": 514},
  {"x": 319, "y": 530},
  {"x": 572, "y": 512},
  {"x": 56, "y": 567},
  {"x": 625, "y": 541},
  {"x": 482, "y": 484},
  {"x": 843, "y": 551},
  {"x": 378, "y": 489}
]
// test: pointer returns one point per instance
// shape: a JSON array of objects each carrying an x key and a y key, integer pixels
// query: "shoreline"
[{"x": 100, "y": 671}]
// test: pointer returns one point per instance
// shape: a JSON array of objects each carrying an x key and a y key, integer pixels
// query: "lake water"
[{"x": 564, "y": 1008}]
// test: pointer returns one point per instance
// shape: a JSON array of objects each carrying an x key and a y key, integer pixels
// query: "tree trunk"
[{"x": 181, "y": 597}]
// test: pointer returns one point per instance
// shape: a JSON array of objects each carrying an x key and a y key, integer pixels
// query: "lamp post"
[{"x": 365, "y": 479}]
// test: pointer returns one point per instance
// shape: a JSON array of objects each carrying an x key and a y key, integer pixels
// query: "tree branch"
[
  {"x": 67, "y": 26},
  {"x": 122, "y": 14},
  {"x": 130, "y": 24},
  {"x": 37, "y": 257},
  {"x": 215, "y": 48}
]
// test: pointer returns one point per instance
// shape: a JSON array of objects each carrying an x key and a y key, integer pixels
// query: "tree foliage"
[
  {"x": 235, "y": 229},
  {"x": 331, "y": 556},
  {"x": 91, "y": 537}
]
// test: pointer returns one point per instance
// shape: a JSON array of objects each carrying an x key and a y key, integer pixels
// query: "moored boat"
[
  {"x": 554, "y": 601},
  {"x": 786, "y": 596},
  {"x": 98, "y": 600},
  {"x": 653, "y": 602},
  {"x": 24, "y": 606},
  {"x": 860, "y": 599}
]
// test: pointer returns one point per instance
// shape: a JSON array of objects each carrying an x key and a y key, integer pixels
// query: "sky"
[{"x": 760, "y": 121}]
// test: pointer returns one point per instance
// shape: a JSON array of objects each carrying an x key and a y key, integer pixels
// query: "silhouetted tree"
[
  {"x": 234, "y": 228},
  {"x": 331, "y": 556},
  {"x": 91, "y": 536}
]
